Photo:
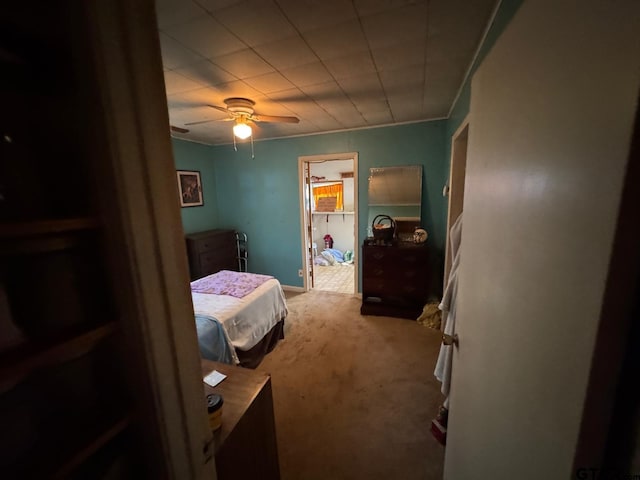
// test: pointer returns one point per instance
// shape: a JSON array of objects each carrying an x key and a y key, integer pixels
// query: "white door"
[{"x": 552, "y": 110}]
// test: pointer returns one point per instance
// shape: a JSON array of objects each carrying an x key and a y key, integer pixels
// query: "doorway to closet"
[{"x": 329, "y": 219}]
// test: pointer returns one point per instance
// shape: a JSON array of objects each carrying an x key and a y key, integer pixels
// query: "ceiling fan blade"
[
  {"x": 201, "y": 121},
  {"x": 173, "y": 128},
  {"x": 222, "y": 109},
  {"x": 273, "y": 118}
]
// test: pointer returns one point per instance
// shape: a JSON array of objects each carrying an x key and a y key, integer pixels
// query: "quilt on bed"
[{"x": 244, "y": 321}]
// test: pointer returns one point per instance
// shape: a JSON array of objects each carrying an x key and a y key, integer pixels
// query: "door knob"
[{"x": 450, "y": 339}]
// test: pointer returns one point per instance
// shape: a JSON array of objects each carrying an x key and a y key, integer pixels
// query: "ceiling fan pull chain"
[
  {"x": 235, "y": 147},
  {"x": 252, "y": 155}
]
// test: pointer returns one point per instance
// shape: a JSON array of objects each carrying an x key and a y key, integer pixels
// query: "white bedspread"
[{"x": 248, "y": 319}]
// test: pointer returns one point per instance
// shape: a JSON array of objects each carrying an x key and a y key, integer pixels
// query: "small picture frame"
[{"x": 190, "y": 188}]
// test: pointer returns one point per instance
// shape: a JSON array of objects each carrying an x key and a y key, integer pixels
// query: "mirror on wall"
[{"x": 397, "y": 192}]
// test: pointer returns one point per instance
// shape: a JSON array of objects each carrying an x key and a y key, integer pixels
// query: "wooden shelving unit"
[
  {"x": 46, "y": 227},
  {"x": 91, "y": 445},
  {"x": 31, "y": 356},
  {"x": 64, "y": 400}
]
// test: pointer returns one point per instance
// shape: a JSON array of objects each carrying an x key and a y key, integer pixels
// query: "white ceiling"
[{"x": 335, "y": 64}]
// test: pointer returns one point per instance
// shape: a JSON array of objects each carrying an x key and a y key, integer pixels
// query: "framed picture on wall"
[{"x": 190, "y": 188}]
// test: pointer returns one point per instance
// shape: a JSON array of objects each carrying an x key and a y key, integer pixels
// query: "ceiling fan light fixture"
[{"x": 242, "y": 130}]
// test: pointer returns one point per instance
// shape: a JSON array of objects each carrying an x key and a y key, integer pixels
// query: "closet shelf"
[
  {"x": 59, "y": 460},
  {"x": 332, "y": 213},
  {"x": 16, "y": 230},
  {"x": 91, "y": 445},
  {"x": 44, "y": 236},
  {"x": 22, "y": 360}
]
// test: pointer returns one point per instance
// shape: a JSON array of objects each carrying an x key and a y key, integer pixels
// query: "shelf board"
[
  {"x": 59, "y": 455},
  {"x": 47, "y": 227},
  {"x": 23, "y": 359},
  {"x": 79, "y": 456},
  {"x": 332, "y": 213}
]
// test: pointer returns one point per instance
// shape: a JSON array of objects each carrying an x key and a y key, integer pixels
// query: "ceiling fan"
[
  {"x": 173, "y": 128},
  {"x": 241, "y": 111}
]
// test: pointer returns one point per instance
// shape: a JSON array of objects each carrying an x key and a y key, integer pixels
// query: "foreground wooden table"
[{"x": 245, "y": 445}]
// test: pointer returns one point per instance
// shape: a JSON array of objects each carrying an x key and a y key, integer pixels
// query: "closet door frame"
[{"x": 144, "y": 236}]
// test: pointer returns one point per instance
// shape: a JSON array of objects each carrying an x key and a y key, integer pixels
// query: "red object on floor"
[{"x": 439, "y": 431}]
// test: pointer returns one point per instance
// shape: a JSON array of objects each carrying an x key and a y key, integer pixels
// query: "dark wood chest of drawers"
[
  {"x": 395, "y": 280},
  {"x": 211, "y": 251}
]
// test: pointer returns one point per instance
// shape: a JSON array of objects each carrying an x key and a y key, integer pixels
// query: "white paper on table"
[{"x": 214, "y": 378}]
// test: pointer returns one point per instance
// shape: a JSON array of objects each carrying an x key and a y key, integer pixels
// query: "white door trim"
[
  {"x": 146, "y": 247},
  {"x": 301, "y": 182}
]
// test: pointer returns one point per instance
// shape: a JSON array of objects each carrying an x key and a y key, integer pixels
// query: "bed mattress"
[{"x": 248, "y": 319}]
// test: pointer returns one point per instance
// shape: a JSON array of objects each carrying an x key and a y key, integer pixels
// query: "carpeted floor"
[{"x": 353, "y": 395}]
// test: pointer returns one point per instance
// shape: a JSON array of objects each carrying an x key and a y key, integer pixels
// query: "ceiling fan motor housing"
[{"x": 240, "y": 105}]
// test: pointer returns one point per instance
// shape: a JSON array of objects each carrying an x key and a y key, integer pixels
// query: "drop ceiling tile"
[
  {"x": 370, "y": 7},
  {"x": 176, "y": 83},
  {"x": 237, "y": 88},
  {"x": 406, "y": 107},
  {"x": 291, "y": 97},
  {"x": 397, "y": 26},
  {"x": 365, "y": 86},
  {"x": 399, "y": 55},
  {"x": 243, "y": 64},
  {"x": 404, "y": 80},
  {"x": 175, "y": 55},
  {"x": 170, "y": 13},
  {"x": 312, "y": 14},
  {"x": 206, "y": 73},
  {"x": 378, "y": 118},
  {"x": 310, "y": 74},
  {"x": 326, "y": 123},
  {"x": 194, "y": 99},
  {"x": 256, "y": 22},
  {"x": 372, "y": 106},
  {"x": 215, "y": 5},
  {"x": 350, "y": 65},
  {"x": 337, "y": 40},
  {"x": 324, "y": 91},
  {"x": 287, "y": 53},
  {"x": 269, "y": 83},
  {"x": 206, "y": 37}
]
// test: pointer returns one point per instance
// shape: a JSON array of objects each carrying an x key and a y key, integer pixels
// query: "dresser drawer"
[
  {"x": 211, "y": 251},
  {"x": 215, "y": 242},
  {"x": 211, "y": 263},
  {"x": 395, "y": 280}
]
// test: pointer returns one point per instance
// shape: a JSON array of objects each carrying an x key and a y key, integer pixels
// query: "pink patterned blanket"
[{"x": 226, "y": 282}]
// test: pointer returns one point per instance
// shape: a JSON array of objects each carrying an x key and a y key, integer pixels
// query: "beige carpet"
[{"x": 354, "y": 396}]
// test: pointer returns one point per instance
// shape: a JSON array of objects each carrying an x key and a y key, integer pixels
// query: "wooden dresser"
[
  {"x": 245, "y": 445},
  {"x": 211, "y": 251},
  {"x": 395, "y": 280}
]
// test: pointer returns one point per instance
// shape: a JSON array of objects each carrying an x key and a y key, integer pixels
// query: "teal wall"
[
  {"x": 261, "y": 197},
  {"x": 194, "y": 156}
]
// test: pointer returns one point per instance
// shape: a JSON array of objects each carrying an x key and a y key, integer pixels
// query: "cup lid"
[{"x": 214, "y": 402}]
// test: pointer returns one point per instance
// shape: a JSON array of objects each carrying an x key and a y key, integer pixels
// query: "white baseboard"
[{"x": 289, "y": 288}]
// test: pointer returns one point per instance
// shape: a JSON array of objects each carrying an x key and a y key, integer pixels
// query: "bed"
[{"x": 239, "y": 316}]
